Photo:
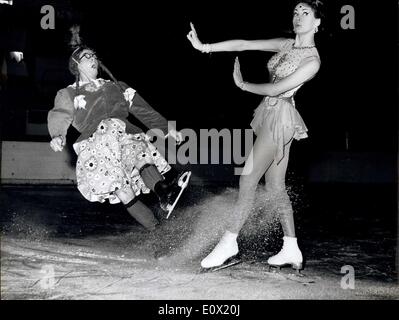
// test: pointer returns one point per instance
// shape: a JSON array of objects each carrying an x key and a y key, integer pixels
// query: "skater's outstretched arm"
[
  {"x": 304, "y": 73},
  {"x": 151, "y": 118},
  {"x": 273, "y": 45}
]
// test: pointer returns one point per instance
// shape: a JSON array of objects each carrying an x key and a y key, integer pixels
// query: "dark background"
[
  {"x": 145, "y": 45},
  {"x": 349, "y": 108}
]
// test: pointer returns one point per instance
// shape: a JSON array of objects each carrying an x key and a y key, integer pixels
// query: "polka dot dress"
[{"x": 109, "y": 159}]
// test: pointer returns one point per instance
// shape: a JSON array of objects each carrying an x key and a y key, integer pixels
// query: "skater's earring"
[{"x": 316, "y": 29}]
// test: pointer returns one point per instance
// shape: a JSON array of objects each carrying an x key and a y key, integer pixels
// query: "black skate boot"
[{"x": 169, "y": 192}]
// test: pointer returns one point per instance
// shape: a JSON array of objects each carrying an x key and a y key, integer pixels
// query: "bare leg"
[
  {"x": 290, "y": 254},
  {"x": 262, "y": 155},
  {"x": 277, "y": 192},
  {"x": 260, "y": 159}
]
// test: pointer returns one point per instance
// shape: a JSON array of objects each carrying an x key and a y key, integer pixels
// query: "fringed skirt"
[
  {"x": 109, "y": 160},
  {"x": 283, "y": 120}
]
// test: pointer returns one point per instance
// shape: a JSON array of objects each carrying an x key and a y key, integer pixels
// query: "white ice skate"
[
  {"x": 290, "y": 255},
  {"x": 182, "y": 183},
  {"x": 224, "y": 255},
  {"x": 232, "y": 261}
]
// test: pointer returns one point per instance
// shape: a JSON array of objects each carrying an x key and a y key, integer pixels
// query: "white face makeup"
[
  {"x": 304, "y": 20},
  {"x": 88, "y": 64}
]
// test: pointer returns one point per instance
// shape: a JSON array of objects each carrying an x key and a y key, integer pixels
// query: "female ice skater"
[
  {"x": 276, "y": 123},
  {"x": 116, "y": 160}
]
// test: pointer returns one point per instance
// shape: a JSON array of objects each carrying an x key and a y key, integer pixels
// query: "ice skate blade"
[
  {"x": 232, "y": 261},
  {"x": 182, "y": 183},
  {"x": 184, "y": 179},
  {"x": 296, "y": 266}
]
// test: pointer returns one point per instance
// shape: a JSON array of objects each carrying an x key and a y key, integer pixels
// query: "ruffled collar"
[{"x": 93, "y": 85}]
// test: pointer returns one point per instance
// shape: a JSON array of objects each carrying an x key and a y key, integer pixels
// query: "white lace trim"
[
  {"x": 97, "y": 82},
  {"x": 129, "y": 95}
]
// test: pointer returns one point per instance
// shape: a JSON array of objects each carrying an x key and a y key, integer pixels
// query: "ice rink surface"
[{"x": 56, "y": 245}]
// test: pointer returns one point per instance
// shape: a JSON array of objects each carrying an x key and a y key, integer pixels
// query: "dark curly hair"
[{"x": 317, "y": 7}]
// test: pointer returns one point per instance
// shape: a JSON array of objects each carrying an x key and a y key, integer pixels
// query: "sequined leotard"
[{"x": 279, "y": 112}]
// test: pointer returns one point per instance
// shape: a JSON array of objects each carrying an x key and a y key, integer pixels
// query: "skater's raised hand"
[
  {"x": 177, "y": 135},
  {"x": 57, "y": 143},
  {"x": 237, "y": 74},
  {"x": 193, "y": 37}
]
